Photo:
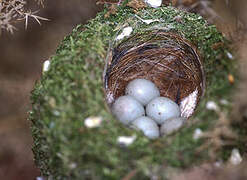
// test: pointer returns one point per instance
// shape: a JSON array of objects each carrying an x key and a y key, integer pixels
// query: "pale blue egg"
[
  {"x": 171, "y": 125},
  {"x": 143, "y": 90},
  {"x": 161, "y": 108},
  {"x": 127, "y": 109},
  {"x": 148, "y": 126}
]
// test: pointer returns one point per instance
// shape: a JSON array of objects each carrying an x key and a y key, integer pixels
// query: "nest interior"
[{"x": 165, "y": 58}]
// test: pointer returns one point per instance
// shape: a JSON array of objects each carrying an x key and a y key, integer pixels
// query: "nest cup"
[{"x": 165, "y": 58}]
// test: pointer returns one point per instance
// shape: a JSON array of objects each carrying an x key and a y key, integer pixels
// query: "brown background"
[{"x": 21, "y": 58}]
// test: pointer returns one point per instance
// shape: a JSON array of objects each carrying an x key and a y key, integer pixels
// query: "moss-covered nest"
[{"x": 72, "y": 90}]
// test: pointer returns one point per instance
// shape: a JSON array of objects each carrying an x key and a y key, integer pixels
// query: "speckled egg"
[
  {"x": 161, "y": 108},
  {"x": 148, "y": 126},
  {"x": 127, "y": 109},
  {"x": 142, "y": 90}
]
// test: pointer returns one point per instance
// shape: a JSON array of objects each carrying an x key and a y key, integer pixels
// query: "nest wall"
[{"x": 72, "y": 90}]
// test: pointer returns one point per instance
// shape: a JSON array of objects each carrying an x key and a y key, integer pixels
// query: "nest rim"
[{"x": 188, "y": 102}]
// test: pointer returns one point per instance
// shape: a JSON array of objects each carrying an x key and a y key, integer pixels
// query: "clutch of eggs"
[{"x": 142, "y": 108}]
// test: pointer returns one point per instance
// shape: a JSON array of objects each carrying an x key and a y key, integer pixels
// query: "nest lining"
[{"x": 165, "y": 58}]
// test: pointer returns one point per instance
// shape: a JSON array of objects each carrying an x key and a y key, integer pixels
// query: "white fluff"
[
  {"x": 161, "y": 108},
  {"x": 235, "y": 158},
  {"x": 46, "y": 65},
  {"x": 197, "y": 134},
  {"x": 142, "y": 90},
  {"x": 229, "y": 55},
  {"x": 126, "y": 32},
  {"x": 40, "y": 178},
  {"x": 188, "y": 104},
  {"x": 127, "y": 109},
  {"x": 126, "y": 140},
  {"x": 147, "y": 126},
  {"x": 211, "y": 105},
  {"x": 153, "y": 3},
  {"x": 147, "y": 21},
  {"x": 92, "y": 122},
  {"x": 224, "y": 102},
  {"x": 171, "y": 125}
]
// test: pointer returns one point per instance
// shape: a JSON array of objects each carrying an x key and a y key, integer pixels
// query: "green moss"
[{"x": 72, "y": 90}]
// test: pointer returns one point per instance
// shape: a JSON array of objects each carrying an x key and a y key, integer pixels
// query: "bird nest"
[{"x": 165, "y": 58}]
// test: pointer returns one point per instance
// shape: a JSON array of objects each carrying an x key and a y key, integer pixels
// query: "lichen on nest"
[{"x": 72, "y": 90}]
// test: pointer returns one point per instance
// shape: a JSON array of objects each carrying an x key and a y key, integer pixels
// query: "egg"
[
  {"x": 126, "y": 109},
  {"x": 142, "y": 90},
  {"x": 147, "y": 126},
  {"x": 161, "y": 108},
  {"x": 171, "y": 125}
]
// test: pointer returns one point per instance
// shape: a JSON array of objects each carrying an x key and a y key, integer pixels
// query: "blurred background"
[
  {"x": 23, "y": 53},
  {"x": 21, "y": 57}
]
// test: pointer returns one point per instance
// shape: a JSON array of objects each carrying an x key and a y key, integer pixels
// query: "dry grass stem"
[{"x": 12, "y": 11}]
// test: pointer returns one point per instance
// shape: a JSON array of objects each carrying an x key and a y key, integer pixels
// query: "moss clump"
[{"x": 72, "y": 90}]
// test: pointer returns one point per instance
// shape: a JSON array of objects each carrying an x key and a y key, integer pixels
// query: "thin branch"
[{"x": 14, "y": 10}]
